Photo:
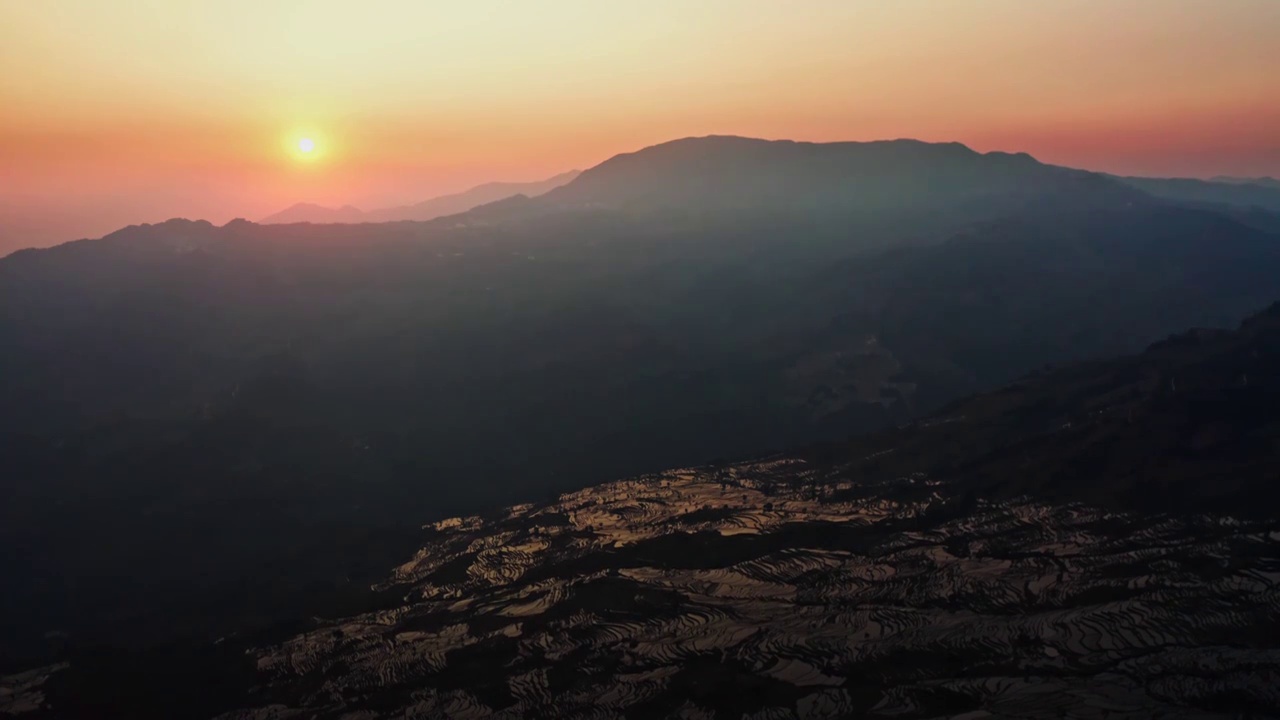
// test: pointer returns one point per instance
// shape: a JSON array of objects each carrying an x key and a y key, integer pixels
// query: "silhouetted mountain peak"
[
  {"x": 311, "y": 212},
  {"x": 712, "y": 150},
  {"x": 1014, "y": 157},
  {"x": 169, "y": 231},
  {"x": 707, "y": 173},
  {"x": 305, "y": 206}
]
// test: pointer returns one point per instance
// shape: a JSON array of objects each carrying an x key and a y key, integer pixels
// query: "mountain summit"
[
  {"x": 718, "y": 173},
  {"x": 313, "y": 213}
]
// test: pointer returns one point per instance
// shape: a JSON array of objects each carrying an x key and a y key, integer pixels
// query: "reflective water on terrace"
[{"x": 776, "y": 590}]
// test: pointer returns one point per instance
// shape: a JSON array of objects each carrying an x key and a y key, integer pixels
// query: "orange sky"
[{"x": 135, "y": 111}]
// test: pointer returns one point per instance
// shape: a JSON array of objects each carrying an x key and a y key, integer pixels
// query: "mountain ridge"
[
  {"x": 1242, "y": 193},
  {"x": 449, "y": 204},
  {"x": 738, "y": 172},
  {"x": 1265, "y": 181},
  {"x": 1252, "y": 200}
]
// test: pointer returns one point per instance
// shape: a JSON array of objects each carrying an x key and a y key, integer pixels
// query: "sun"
[{"x": 304, "y": 145}]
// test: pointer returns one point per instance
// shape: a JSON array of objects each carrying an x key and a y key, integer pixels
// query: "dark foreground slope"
[
  {"x": 206, "y": 429},
  {"x": 1093, "y": 541},
  {"x": 1096, "y": 541}
]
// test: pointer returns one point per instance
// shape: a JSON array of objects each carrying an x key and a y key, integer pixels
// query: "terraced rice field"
[{"x": 776, "y": 590}]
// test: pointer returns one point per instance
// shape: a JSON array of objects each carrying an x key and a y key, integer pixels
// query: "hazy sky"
[{"x": 123, "y": 111}]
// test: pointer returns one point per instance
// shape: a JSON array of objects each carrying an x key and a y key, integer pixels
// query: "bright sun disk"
[{"x": 306, "y": 145}]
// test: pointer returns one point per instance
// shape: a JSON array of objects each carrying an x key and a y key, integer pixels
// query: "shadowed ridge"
[
  {"x": 1027, "y": 553},
  {"x": 174, "y": 233},
  {"x": 1189, "y": 425},
  {"x": 1268, "y": 318}
]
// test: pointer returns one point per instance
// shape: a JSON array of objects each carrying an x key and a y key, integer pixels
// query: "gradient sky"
[{"x": 131, "y": 111}]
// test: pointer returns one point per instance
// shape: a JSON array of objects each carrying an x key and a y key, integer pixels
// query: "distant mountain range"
[
  {"x": 425, "y": 210},
  {"x": 1260, "y": 193},
  {"x": 1263, "y": 181}
]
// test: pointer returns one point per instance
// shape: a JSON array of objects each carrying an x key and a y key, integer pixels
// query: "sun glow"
[{"x": 306, "y": 145}]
